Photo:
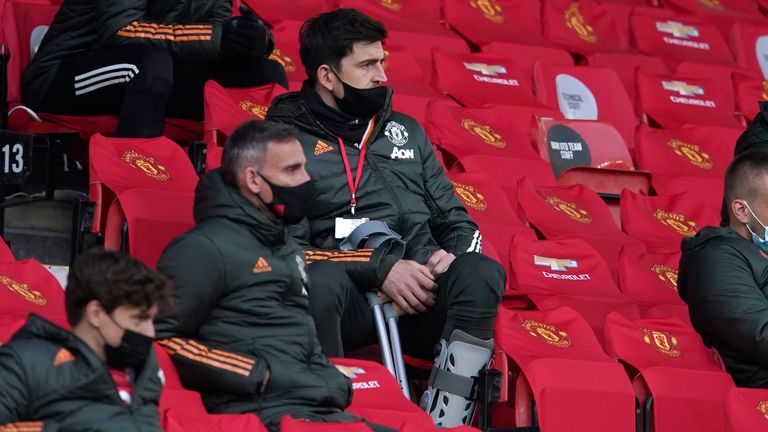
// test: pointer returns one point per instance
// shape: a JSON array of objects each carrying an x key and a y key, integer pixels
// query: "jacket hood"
[
  {"x": 290, "y": 108},
  {"x": 38, "y": 327},
  {"x": 707, "y": 234},
  {"x": 215, "y": 198}
]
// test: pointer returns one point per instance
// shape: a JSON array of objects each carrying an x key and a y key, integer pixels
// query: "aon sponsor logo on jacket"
[{"x": 398, "y": 153}]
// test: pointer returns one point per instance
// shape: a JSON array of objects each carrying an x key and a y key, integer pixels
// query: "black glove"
[{"x": 247, "y": 36}]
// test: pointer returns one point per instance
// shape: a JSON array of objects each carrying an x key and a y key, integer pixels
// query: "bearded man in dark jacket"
[
  {"x": 101, "y": 376},
  {"x": 146, "y": 59},
  {"x": 240, "y": 332},
  {"x": 724, "y": 274},
  {"x": 372, "y": 163}
]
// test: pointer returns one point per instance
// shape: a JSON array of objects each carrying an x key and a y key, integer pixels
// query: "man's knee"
[{"x": 481, "y": 276}]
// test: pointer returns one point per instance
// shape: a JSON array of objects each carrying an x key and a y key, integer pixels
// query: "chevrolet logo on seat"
[
  {"x": 557, "y": 264},
  {"x": 683, "y": 88},
  {"x": 486, "y": 69},
  {"x": 677, "y": 29}
]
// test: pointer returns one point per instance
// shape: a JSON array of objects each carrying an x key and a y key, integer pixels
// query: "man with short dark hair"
[
  {"x": 240, "y": 332},
  {"x": 144, "y": 60},
  {"x": 724, "y": 274},
  {"x": 371, "y": 163},
  {"x": 101, "y": 376}
]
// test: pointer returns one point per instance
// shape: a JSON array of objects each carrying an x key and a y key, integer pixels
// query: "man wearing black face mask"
[
  {"x": 54, "y": 379},
  {"x": 240, "y": 332},
  {"x": 373, "y": 163}
]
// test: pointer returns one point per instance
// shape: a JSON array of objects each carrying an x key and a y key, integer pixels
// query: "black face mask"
[
  {"x": 291, "y": 204},
  {"x": 132, "y": 352},
  {"x": 361, "y": 103}
]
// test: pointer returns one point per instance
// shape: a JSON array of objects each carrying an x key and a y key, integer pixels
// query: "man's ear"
[
  {"x": 93, "y": 313},
  {"x": 740, "y": 211},
  {"x": 251, "y": 180},
  {"x": 325, "y": 77}
]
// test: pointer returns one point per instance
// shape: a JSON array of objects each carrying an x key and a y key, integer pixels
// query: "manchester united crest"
[
  {"x": 484, "y": 132},
  {"x": 575, "y": 21},
  {"x": 692, "y": 153},
  {"x": 666, "y": 274},
  {"x": 712, "y": 4},
  {"x": 393, "y": 5},
  {"x": 572, "y": 210},
  {"x": 256, "y": 110},
  {"x": 762, "y": 408},
  {"x": 663, "y": 341},
  {"x": 396, "y": 133},
  {"x": 676, "y": 222},
  {"x": 490, "y": 9},
  {"x": 551, "y": 334},
  {"x": 23, "y": 290},
  {"x": 470, "y": 196},
  {"x": 146, "y": 164},
  {"x": 284, "y": 60}
]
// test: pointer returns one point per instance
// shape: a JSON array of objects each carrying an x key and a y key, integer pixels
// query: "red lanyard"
[{"x": 354, "y": 182}]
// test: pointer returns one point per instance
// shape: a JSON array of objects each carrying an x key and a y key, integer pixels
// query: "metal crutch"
[
  {"x": 397, "y": 350},
  {"x": 386, "y": 353},
  {"x": 389, "y": 340}
]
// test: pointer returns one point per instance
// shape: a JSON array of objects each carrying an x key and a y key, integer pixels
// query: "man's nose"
[{"x": 381, "y": 76}]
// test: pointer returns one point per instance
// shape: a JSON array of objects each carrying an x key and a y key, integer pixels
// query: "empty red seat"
[
  {"x": 495, "y": 20},
  {"x": 586, "y": 26},
  {"x": 421, "y": 45},
  {"x": 28, "y": 287},
  {"x": 5, "y": 252},
  {"x": 662, "y": 222},
  {"x": 586, "y": 93},
  {"x": 649, "y": 278},
  {"x": 709, "y": 190},
  {"x": 286, "y": 52},
  {"x": 377, "y": 396},
  {"x": 723, "y": 14},
  {"x": 481, "y": 79},
  {"x": 483, "y": 198},
  {"x": 575, "y": 386},
  {"x": 626, "y": 66},
  {"x": 678, "y": 38},
  {"x": 749, "y": 43},
  {"x": 749, "y": 93},
  {"x": 698, "y": 151},
  {"x": 687, "y": 386},
  {"x": 275, "y": 11},
  {"x": 747, "y": 409},
  {"x": 527, "y": 55},
  {"x": 675, "y": 101},
  {"x": 9, "y": 325},
  {"x": 497, "y": 239},
  {"x": 147, "y": 182},
  {"x": 494, "y": 131},
  {"x": 417, "y": 16}
]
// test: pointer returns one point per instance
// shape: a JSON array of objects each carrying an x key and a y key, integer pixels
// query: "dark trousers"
[
  {"x": 467, "y": 298},
  {"x": 143, "y": 84}
]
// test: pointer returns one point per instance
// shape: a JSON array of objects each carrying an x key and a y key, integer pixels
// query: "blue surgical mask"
[{"x": 762, "y": 243}]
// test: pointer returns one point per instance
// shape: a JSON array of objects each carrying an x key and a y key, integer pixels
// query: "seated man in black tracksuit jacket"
[
  {"x": 370, "y": 162},
  {"x": 102, "y": 375},
  {"x": 240, "y": 332},
  {"x": 724, "y": 274},
  {"x": 145, "y": 59}
]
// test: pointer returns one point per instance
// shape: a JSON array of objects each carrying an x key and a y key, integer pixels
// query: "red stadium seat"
[
  {"x": 28, "y": 287},
  {"x": 502, "y": 131},
  {"x": 586, "y": 26},
  {"x": 9, "y": 325},
  {"x": 747, "y": 409},
  {"x": 709, "y": 190},
  {"x": 476, "y": 80},
  {"x": 377, "y": 396},
  {"x": 484, "y": 199},
  {"x": 749, "y": 92},
  {"x": 575, "y": 385},
  {"x": 626, "y": 66},
  {"x": 147, "y": 182},
  {"x": 416, "y": 16},
  {"x": 587, "y": 93},
  {"x": 421, "y": 45},
  {"x": 722, "y": 13},
  {"x": 674, "y": 101},
  {"x": 5, "y": 252},
  {"x": 527, "y": 55},
  {"x": 497, "y": 239},
  {"x": 410, "y": 83},
  {"x": 687, "y": 386},
  {"x": 648, "y": 278},
  {"x": 286, "y": 51},
  {"x": 662, "y": 222},
  {"x": 678, "y": 38},
  {"x": 700, "y": 151},
  {"x": 275, "y": 11},
  {"x": 749, "y": 43},
  {"x": 483, "y": 22}
]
